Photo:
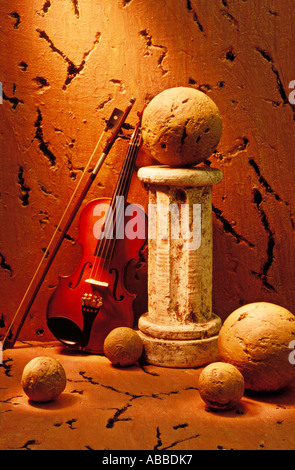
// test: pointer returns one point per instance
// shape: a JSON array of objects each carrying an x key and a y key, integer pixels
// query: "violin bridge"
[{"x": 97, "y": 283}]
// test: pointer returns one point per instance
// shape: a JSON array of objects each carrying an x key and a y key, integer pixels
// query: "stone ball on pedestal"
[
  {"x": 181, "y": 126},
  {"x": 255, "y": 338}
]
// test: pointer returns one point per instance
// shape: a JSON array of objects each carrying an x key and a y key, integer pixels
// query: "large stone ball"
[
  {"x": 181, "y": 127},
  {"x": 255, "y": 338}
]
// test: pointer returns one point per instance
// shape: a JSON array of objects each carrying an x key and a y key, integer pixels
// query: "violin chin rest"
[{"x": 65, "y": 330}]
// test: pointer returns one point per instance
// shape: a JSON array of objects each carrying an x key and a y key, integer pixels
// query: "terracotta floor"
[{"x": 136, "y": 408}]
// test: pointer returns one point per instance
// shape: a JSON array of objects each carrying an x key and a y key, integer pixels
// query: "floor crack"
[
  {"x": 120, "y": 411},
  {"x": 159, "y": 444}
]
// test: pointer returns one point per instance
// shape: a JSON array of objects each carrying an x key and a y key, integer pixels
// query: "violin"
[
  {"x": 94, "y": 299},
  {"x": 79, "y": 299}
]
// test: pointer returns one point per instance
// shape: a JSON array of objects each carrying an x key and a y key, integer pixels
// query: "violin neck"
[
  {"x": 113, "y": 218},
  {"x": 123, "y": 183}
]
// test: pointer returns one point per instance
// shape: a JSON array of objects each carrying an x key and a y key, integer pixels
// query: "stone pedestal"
[{"x": 179, "y": 329}]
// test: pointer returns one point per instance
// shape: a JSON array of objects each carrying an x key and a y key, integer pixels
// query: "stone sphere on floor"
[
  {"x": 181, "y": 126},
  {"x": 43, "y": 379},
  {"x": 255, "y": 338},
  {"x": 221, "y": 386}
]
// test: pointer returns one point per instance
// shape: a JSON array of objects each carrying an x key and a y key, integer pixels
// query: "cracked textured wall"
[{"x": 65, "y": 64}]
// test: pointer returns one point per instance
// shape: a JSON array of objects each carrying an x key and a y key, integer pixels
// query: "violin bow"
[{"x": 116, "y": 122}]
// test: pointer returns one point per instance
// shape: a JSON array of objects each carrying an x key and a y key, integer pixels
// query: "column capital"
[{"x": 184, "y": 177}]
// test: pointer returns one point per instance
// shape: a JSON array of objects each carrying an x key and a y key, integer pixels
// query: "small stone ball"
[
  {"x": 123, "y": 346},
  {"x": 255, "y": 338},
  {"x": 221, "y": 386},
  {"x": 43, "y": 379},
  {"x": 181, "y": 127}
]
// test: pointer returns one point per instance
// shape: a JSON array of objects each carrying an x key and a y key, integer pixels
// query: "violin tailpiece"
[{"x": 90, "y": 308}]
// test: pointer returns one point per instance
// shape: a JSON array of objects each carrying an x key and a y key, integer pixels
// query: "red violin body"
[{"x": 74, "y": 315}]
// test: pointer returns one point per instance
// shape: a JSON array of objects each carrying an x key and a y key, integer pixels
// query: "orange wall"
[{"x": 65, "y": 65}]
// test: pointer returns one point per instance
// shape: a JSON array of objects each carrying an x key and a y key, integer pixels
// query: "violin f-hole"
[
  {"x": 80, "y": 276},
  {"x": 116, "y": 285}
]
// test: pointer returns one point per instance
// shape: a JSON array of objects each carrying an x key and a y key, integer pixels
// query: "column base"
[
  {"x": 179, "y": 331},
  {"x": 179, "y": 353}
]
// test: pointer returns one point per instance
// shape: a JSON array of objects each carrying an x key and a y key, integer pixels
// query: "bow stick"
[{"x": 116, "y": 121}]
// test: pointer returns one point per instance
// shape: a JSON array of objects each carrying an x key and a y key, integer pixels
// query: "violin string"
[
  {"x": 100, "y": 250},
  {"x": 52, "y": 238},
  {"x": 106, "y": 243},
  {"x": 102, "y": 247},
  {"x": 124, "y": 191},
  {"x": 136, "y": 145}
]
